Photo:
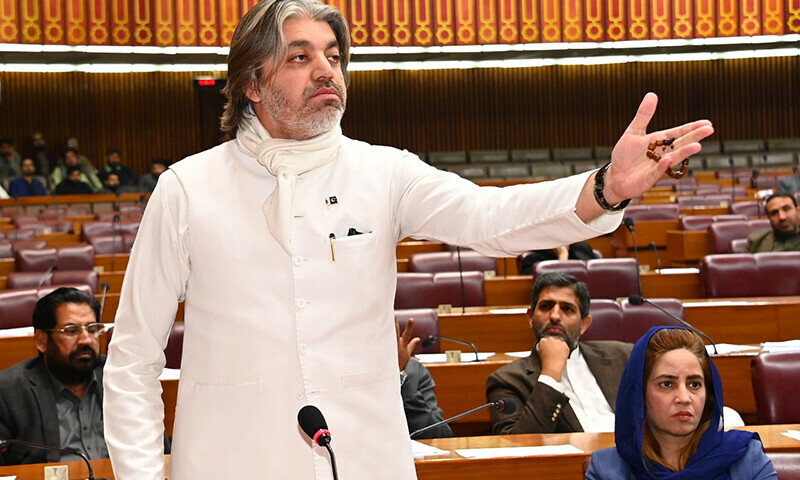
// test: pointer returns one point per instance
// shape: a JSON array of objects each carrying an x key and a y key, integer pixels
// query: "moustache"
[
  {"x": 312, "y": 90},
  {"x": 81, "y": 350}
]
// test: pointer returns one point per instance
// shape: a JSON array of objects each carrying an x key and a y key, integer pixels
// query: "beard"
[
  {"x": 308, "y": 120},
  {"x": 570, "y": 337},
  {"x": 71, "y": 370}
]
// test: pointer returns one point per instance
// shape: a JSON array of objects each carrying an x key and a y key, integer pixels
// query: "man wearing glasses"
[{"x": 56, "y": 398}]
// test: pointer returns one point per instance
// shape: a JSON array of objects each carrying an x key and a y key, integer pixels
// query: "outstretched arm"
[{"x": 632, "y": 171}]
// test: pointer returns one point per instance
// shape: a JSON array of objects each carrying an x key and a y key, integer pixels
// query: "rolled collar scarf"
[
  {"x": 286, "y": 160},
  {"x": 717, "y": 450}
]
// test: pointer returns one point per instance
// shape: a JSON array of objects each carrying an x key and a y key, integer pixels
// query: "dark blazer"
[
  {"x": 764, "y": 241},
  {"x": 542, "y": 409},
  {"x": 28, "y": 410}
]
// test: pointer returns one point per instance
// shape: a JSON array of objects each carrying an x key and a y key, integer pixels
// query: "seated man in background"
[
  {"x": 112, "y": 184},
  {"x": 125, "y": 175},
  {"x": 576, "y": 251},
  {"x": 87, "y": 172},
  {"x": 73, "y": 185},
  {"x": 56, "y": 398},
  {"x": 784, "y": 217},
  {"x": 27, "y": 185},
  {"x": 564, "y": 385},
  {"x": 148, "y": 181},
  {"x": 416, "y": 388}
]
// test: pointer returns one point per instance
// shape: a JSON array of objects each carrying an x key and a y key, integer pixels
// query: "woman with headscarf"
[{"x": 669, "y": 418}]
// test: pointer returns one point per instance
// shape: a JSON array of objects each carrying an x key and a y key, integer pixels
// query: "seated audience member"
[
  {"x": 670, "y": 424},
  {"x": 111, "y": 184},
  {"x": 784, "y": 217},
  {"x": 125, "y": 175},
  {"x": 10, "y": 159},
  {"x": 55, "y": 399},
  {"x": 576, "y": 251},
  {"x": 789, "y": 184},
  {"x": 87, "y": 173},
  {"x": 43, "y": 157},
  {"x": 564, "y": 385},
  {"x": 147, "y": 182},
  {"x": 73, "y": 185},
  {"x": 416, "y": 388},
  {"x": 26, "y": 185}
]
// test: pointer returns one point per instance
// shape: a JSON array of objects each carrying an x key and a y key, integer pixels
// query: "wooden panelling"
[{"x": 150, "y": 115}]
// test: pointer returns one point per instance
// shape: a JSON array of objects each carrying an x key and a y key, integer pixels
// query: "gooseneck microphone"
[
  {"x": 506, "y": 406},
  {"x": 640, "y": 300},
  {"x": 46, "y": 274},
  {"x": 427, "y": 342},
  {"x": 653, "y": 247},
  {"x": 38, "y": 446},
  {"x": 629, "y": 223},
  {"x": 316, "y": 428}
]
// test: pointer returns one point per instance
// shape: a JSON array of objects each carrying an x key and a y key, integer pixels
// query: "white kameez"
[{"x": 267, "y": 333}]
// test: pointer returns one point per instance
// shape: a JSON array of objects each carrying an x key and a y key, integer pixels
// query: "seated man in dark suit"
[
  {"x": 564, "y": 385},
  {"x": 416, "y": 388},
  {"x": 784, "y": 217},
  {"x": 56, "y": 398}
]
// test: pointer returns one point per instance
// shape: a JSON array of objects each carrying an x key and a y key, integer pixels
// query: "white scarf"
[{"x": 286, "y": 160}]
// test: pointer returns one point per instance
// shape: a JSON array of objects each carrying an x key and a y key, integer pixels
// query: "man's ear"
[
  {"x": 253, "y": 91},
  {"x": 529, "y": 313},
  {"x": 587, "y": 320},
  {"x": 41, "y": 340}
]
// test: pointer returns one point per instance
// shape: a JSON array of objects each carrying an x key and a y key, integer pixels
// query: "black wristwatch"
[{"x": 599, "y": 183}]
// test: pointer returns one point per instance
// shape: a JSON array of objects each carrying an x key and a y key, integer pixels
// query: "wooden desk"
[
  {"x": 686, "y": 247},
  {"x": 450, "y": 466}
]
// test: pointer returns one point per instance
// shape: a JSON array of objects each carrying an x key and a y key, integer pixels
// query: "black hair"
[
  {"x": 44, "y": 313},
  {"x": 558, "y": 279}
]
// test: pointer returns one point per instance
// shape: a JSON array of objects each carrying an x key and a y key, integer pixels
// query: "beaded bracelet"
[{"x": 598, "y": 192}]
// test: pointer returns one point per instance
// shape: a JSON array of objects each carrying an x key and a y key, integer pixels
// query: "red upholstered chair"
[
  {"x": 24, "y": 218},
  {"x": 5, "y": 249},
  {"x": 426, "y": 322},
  {"x": 18, "y": 245},
  {"x": 415, "y": 290},
  {"x": 56, "y": 278},
  {"x": 656, "y": 211},
  {"x": 720, "y": 234},
  {"x": 174, "y": 350},
  {"x": 45, "y": 226},
  {"x": 16, "y": 307},
  {"x": 127, "y": 241},
  {"x": 19, "y": 234},
  {"x": 134, "y": 216},
  {"x": 750, "y": 208},
  {"x": 786, "y": 464},
  {"x": 729, "y": 275},
  {"x": 75, "y": 257},
  {"x": 738, "y": 245},
  {"x": 612, "y": 277},
  {"x": 606, "y": 320},
  {"x": 638, "y": 319},
  {"x": 774, "y": 378},
  {"x": 434, "y": 262},
  {"x": 29, "y": 260},
  {"x": 764, "y": 182},
  {"x": 449, "y": 290},
  {"x": 701, "y": 222},
  {"x": 576, "y": 268},
  {"x": 107, "y": 244},
  {"x": 778, "y": 273}
]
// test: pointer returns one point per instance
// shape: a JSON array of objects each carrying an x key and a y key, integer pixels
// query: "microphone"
[
  {"x": 316, "y": 428},
  {"x": 46, "y": 274},
  {"x": 640, "y": 300},
  {"x": 653, "y": 247},
  {"x": 629, "y": 223},
  {"x": 505, "y": 405},
  {"x": 5, "y": 443},
  {"x": 106, "y": 286},
  {"x": 427, "y": 342},
  {"x": 461, "y": 278}
]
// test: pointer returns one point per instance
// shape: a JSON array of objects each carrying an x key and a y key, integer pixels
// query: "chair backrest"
[
  {"x": 5, "y": 249},
  {"x": 606, "y": 320},
  {"x": 488, "y": 156},
  {"x": 576, "y": 268},
  {"x": 35, "y": 260},
  {"x": 16, "y": 307},
  {"x": 728, "y": 275},
  {"x": 638, "y": 319},
  {"x": 107, "y": 244},
  {"x": 720, "y": 234},
  {"x": 67, "y": 257},
  {"x": 655, "y": 211},
  {"x": 174, "y": 350},
  {"x": 75, "y": 257},
  {"x": 612, "y": 277},
  {"x": 19, "y": 234},
  {"x": 787, "y": 465},
  {"x": 749, "y": 208},
  {"x": 774, "y": 378},
  {"x": 429, "y": 290},
  {"x": 738, "y": 245},
  {"x": 426, "y": 322},
  {"x": 433, "y": 262},
  {"x": 713, "y": 200},
  {"x": 777, "y": 273},
  {"x": 48, "y": 226},
  {"x": 57, "y": 278}
]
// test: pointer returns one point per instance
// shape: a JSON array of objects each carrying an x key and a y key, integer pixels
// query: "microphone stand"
[
  {"x": 640, "y": 300},
  {"x": 431, "y": 338},
  {"x": 461, "y": 278},
  {"x": 499, "y": 405},
  {"x": 653, "y": 247},
  {"x": 4, "y": 444}
]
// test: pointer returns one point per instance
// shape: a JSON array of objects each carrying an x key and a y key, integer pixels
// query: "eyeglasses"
[{"x": 74, "y": 330}]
